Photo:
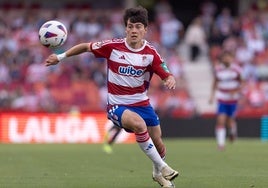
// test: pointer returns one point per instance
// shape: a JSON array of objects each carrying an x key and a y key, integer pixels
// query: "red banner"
[{"x": 57, "y": 128}]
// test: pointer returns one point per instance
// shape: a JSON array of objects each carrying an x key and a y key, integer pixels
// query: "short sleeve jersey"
[
  {"x": 129, "y": 70},
  {"x": 229, "y": 80}
]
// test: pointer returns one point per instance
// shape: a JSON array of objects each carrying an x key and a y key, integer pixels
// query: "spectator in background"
[
  {"x": 118, "y": 30},
  {"x": 242, "y": 54},
  {"x": 4, "y": 72},
  {"x": 171, "y": 29},
  {"x": 264, "y": 25},
  {"x": 224, "y": 22},
  {"x": 208, "y": 9},
  {"x": 28, "y": 101},
  {"x": 250, "y": 71},
  {"x": 245, "y": 58},
  {"x": 196, "y": 39},
  {"x": 36, "y": 72},
  {"x": 255, "y": 41},
  {"x": 215, "y": 41},
  {"x": 255, "y": 95}
]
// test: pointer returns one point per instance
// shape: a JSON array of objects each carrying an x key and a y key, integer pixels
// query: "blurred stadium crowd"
[{"x": 27, "y": 85}]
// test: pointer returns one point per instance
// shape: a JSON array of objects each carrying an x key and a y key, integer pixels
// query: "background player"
[
  {"x": 226, "y": 87},
  {"x": 129, "y": 60},
  {"x": 110, "y": 137}
]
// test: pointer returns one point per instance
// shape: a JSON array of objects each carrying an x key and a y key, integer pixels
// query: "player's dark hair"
[{"x": 137, "y": 14}]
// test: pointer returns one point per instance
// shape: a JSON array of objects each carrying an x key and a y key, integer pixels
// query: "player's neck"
[{"x": 136, "y": 45}]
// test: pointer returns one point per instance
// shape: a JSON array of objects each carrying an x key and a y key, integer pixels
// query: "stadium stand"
[{"x": 27, "y": 85}]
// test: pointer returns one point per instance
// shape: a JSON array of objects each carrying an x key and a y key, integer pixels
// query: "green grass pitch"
[{"x": 244, "y": 164}]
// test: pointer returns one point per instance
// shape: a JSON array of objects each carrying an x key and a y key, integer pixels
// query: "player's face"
[
  {"x": 135, "y": 33},
  {"x": 227, "y": 59}
]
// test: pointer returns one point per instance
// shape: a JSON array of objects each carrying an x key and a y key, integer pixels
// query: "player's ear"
[{"x": 145, "y": 28}]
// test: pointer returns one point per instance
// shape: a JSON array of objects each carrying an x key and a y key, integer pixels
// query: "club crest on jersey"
[
  {"x": 144, "y": 58},
  {"x": 130, "y": 71}
]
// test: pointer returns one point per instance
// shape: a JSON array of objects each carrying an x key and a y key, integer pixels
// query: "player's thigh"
[
  {"x": 133, "y": 121},
  {"x": 221, "y": 119}
]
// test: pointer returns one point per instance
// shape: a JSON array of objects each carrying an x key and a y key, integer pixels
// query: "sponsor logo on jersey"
[{"x": 130, "y": 71}]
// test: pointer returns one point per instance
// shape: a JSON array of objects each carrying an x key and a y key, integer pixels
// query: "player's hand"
[
  {"x": 170, "y": 82},
  {"x": 51, "y": 60}
]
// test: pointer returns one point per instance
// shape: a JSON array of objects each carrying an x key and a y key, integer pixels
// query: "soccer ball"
[{"x": 52, "y": 34}]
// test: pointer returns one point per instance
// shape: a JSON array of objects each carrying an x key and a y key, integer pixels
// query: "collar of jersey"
[{"x": 135, "y": 50}]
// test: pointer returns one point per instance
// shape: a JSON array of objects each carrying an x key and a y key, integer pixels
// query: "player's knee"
[
  {"x": 138, "y": 127},
  {"x": 134, "y": 122}
]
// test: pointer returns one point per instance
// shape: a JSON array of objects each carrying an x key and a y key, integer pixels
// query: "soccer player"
[
  {"x": 130, "y": 61},
  {"x": 110, "y": 137},
  {"x": 226, "y": 88}
]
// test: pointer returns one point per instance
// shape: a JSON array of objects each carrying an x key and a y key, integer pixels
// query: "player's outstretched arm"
[{"x": 54, "y": 59}]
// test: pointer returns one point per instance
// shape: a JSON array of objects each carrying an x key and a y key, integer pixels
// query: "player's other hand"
[
  {"x": 51, "y": 60},
  {"x": 170, "y": 82}
]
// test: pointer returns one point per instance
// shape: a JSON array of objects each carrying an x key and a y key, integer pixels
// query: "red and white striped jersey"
[
  {"x": 228, "y": 83},
  {"x": 129, "y": 70}
]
